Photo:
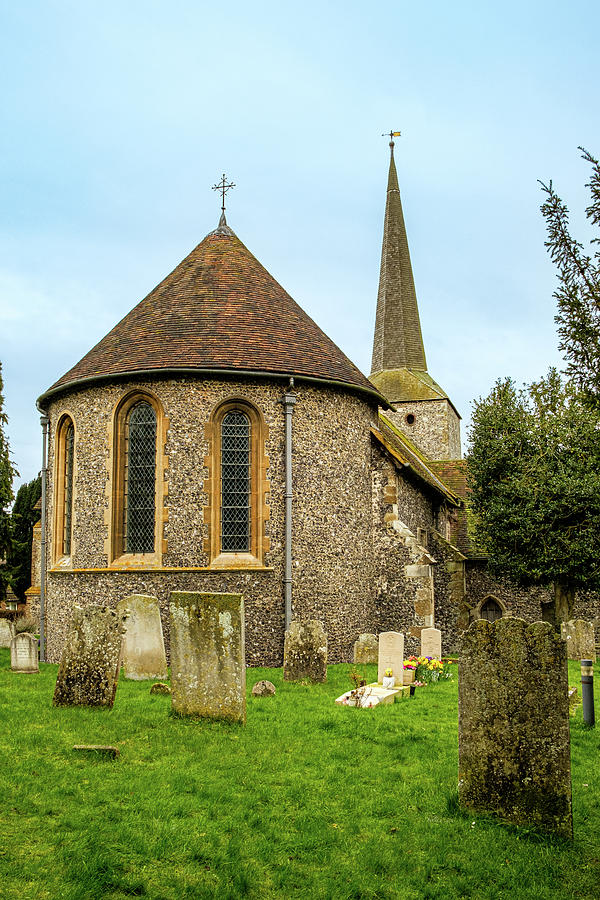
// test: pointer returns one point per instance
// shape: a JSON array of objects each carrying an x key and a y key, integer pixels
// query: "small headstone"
[
  {"x": 24, "y": 653},
  {"x": 208, "y": 664},
  {"x": 159, "y": 687},
  {"x": 513, "y": 721},
  {"x": 580, "y": 638},
  {"x": 7, "y": 632},
  {"x": 99, "y": 749},
  {"x": 391, "y": 656},
  {"x": 431, "y": 642},
  {"x": 88, "y": 673},
  {"x": 263, "y": 689},
  {"x": 143, "y": 643},
  {"x": 366, "y": 649},
  {"x": 305, "y": 652}
]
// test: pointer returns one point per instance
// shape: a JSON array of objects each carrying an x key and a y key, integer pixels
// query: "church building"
[{"x": 217, "y": 440}]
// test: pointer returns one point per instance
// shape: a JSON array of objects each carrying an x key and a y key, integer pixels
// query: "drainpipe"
[
  {"x": 288, "y": 407},
  {"x": 44, "y": 422}
]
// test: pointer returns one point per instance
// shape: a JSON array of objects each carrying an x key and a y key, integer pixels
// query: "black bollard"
[{"x": 587, "y": 691}]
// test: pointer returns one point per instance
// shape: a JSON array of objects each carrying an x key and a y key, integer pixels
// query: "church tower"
[{"x": 422, "y": 409}]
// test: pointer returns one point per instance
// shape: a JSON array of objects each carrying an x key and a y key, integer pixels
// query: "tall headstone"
[
  {"x": 7, "y": 632},
  {"x": 88, "y": 673},
  {"x": 431, "y": 642},
  {"x": 513, "y": 724},
  {"x": 24, "y": 653},
  {"x": 580, "y": 637},
  {"x": 305, "y": 652},
  {"x": 366, "y": 649},
  {"x": 143, "y": 643},
  {"x": 208, "y": 663},
  {"x": 391, "y": 656}
]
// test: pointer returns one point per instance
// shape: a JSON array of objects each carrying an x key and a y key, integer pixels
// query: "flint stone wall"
[
  {"x": 143, "y": 651},
  {"x": 88, "y": 673},
  {"x": 580, "y": 638},
  {"x": 514, "y": 743},
  {"x": 305, "y": 652},
  {"x": 208, "y": 665}
]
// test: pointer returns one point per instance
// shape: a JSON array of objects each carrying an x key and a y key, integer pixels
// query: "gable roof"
[{"x": 218, "y": 311}]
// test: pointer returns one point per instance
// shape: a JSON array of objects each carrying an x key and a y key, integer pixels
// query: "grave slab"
[
  {"x": 391, "y": 656},
  {"x": 24, "y": 653},
  {"x": 144, "y": 655}
]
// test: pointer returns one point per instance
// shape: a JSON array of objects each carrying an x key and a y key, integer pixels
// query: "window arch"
[
  {"x": 64, "y": 492},
  {"x": 237, "y": 487},
  {"x": 137, "y": 487}
]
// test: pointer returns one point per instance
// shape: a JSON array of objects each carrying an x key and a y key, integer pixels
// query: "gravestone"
[
  {"x": 24, "y": 653},
  {"x": 513, "y": 737},
  {"x": 431, "y": 642},
  {"x": 263, "y": 689},
  {"x": 580, "y": 638},
  {"x": 89, "y": 668},
  {"x": 391, "y": 656},
  {"x": 7, "y": 631},
  {"x": 366, "y": 649},
  {"x": 143, "y": 644},
  {"x": 208, "y": 663},
  {"x": 305, "y": 652}
]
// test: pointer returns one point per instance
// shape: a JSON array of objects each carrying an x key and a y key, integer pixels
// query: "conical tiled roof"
[{"x": 219, "y": 310}]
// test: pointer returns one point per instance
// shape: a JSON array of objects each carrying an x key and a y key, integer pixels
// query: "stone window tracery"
[{"x": 65, "y": 469}]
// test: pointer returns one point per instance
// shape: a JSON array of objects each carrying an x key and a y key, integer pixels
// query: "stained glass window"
[
  {"x": 140, "y": 477},
  {"x": 235, "y": 482},
  {"x": 69, "y": 447}
]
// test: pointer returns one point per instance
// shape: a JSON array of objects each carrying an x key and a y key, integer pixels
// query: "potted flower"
[
  {"x": 410, "y": 667},
  {"x": 388, "y": 679}
]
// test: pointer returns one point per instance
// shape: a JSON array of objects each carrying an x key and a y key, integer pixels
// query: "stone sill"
[{"x": 129, "y": 570}]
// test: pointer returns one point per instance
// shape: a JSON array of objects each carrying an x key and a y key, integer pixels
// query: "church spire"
[{"x": 398, "y": 342}]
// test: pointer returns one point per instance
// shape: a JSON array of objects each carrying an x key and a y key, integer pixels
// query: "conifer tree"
[
  {"x": 7, "y": 472},
  {"x": 23, "y": 518}
]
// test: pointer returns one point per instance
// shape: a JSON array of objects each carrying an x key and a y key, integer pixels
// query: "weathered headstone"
[
  {"x": 391, "y": 656},
  {"x": 7, "y": 631},
  {"x": 143, "y": 643},
  {"x": 88, "y": 673},
  {"x": 580, "y": 638},
  {"x": 263, "y": 689},
  {"x": 305, "y": 652},
  {"x": 24, "y": 653},
  {"x": 513, "y": 738},
  {"x": 208, "y": 664},
  {"x": 159, "y": 687},
  {"x": 366, "y": 649},
  {"x": 431, "y": 642}
]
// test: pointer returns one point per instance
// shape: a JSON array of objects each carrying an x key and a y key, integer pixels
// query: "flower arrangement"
[
  {"x": 388, "y": 673},
  {"x": 429, "y": 669}
]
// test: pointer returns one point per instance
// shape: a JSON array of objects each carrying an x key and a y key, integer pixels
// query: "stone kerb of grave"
[
  {"x": 24, "y": 653},
  {"x": 89, "y": 668},
  {"x": 513, "y": 739},
  {"x": 7, "y": 633},
  {"x": 391, "y": 656},
  {"x": 305, "y": 652},
  {"x": 208, "y": 663},
  {"x": 580, "y": 637},
  {"x": 431, "y": 643},
  {"x": 366, "y": 649},
  {"x": 143, "y": 655}
]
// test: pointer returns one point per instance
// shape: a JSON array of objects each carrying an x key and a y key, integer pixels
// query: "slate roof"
[{"x": 218, "y": 310}]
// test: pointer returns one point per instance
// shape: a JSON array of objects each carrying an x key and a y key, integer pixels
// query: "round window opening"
[{"x": 410, "y": 419}]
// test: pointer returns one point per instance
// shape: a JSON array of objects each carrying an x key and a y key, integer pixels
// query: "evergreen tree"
[
  {"x": 7, "y": 472},
  {"x": 23, "y": 518}
]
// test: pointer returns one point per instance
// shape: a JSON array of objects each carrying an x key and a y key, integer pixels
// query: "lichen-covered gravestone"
[
  {"x": 391, "y": 656},
  {"x": 88, "y": 673},
  {"x": 305, "y": 652},
  {"x": 513, "y": 724},
  {"x": 580, "y": 637},
  {"x": 24, "y": 653},
  {"x": 366, "y": 649},
  {"x": 208, "y": 663},
  {"x": 143, "y": 643},
  {"x": 431, "y": 642},
  {"x": 7, "y": 632}
]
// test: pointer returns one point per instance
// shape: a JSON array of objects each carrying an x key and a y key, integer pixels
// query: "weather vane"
[
  {"x": 391, "y": 135},
  {"x": 223, "y": 187}
]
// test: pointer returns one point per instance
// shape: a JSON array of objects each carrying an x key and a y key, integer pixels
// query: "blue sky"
[{"x": 118, "y": 117}]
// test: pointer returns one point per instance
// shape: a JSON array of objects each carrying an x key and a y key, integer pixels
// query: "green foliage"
[
  {"x": 23, "y": 518},
  {"x": 308, "y": 800},
  {"x": 7, "y": 472},
  {"x": 534, "y": 473},
  {"x": 578, "y": 294}
]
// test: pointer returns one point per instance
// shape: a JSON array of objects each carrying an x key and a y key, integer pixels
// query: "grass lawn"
[{"x": 308, "y": 800}]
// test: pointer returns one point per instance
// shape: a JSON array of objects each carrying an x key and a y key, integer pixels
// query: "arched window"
[
  {"x": 490, "y": 609},
  {"x": 235, "y": 482},
  {"x": 64, "y": 468},
  {"x": 139, "y": 501}
]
